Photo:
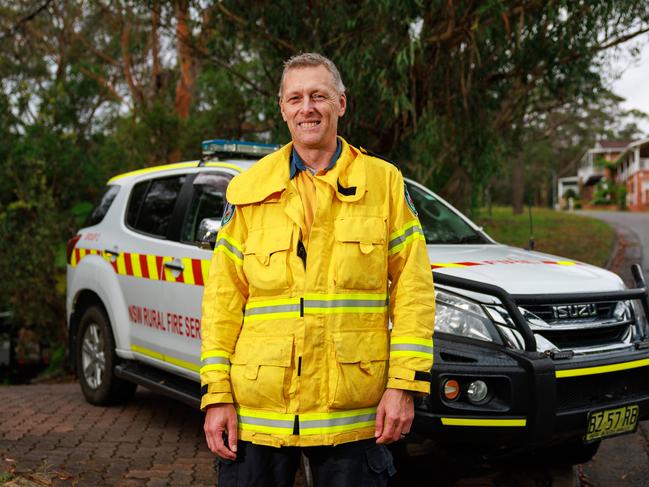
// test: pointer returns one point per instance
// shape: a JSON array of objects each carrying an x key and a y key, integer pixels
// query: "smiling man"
[{"x": 319, "y": 249}]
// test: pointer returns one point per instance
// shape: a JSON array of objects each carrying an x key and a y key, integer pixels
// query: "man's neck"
[{"x": 317, "y": 159}]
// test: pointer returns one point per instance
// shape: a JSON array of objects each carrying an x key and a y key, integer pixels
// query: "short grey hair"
[{"x": 312, "y": 59}]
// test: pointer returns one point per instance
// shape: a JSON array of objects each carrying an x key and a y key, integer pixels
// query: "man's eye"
[{"x": 318, "y": 97}]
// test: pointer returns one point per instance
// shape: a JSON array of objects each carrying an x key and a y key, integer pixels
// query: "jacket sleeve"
[
  {"x": 412, "y": 298},
  {"x": 224, "y": 299}
]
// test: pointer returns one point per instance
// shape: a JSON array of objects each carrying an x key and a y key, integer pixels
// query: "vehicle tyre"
[
  {"x": 96, "y": 360},
  {"x": 570, "y": 453}
]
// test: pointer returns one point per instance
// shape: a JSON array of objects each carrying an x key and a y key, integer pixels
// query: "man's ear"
[
  {"x": 281, "y": 109},
  {"x": 343, "y": 104}
]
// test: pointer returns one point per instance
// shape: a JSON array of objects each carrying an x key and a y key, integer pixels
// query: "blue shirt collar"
[{"x": 296, "y": 163}]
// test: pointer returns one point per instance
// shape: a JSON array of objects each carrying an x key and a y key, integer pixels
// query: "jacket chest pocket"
[
  {"x": 360, "y": 374},
  {"x": 360, "y": 253},
  {"x": 260, "y": 372},
  {"x": 265, "y": 261}
]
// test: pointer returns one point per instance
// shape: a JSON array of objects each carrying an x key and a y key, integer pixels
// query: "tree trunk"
[
  {"x": 185, "y": 60},
  {"x": 517, "y": 187}
]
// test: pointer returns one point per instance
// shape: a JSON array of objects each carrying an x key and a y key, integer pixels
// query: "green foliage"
[
  {"x": 459, "y": 93},
  {"x": 30, "y": 235},
  {"x": 604, "y": 193},
  {"x": 570, "y": 193}
]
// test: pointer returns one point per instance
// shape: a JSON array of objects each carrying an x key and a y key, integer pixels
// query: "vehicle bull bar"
[{"x": 511, "y": 302}]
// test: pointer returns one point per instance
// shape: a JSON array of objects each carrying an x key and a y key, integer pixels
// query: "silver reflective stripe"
[
  {"x": 278, "y": 308},
  {"x": 215, "y": 360},
  {"x": 324, "y": 423},
  {"x": 274, "y": 423},
  {"x": 344, "y": 303},
  {"x": 402, "y": 238},
  {"x": 230, "y": 247},
  {"x": 411, "y": 348}
]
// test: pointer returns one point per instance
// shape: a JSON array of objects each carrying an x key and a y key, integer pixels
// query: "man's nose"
[{"x": 307, "y": 104}]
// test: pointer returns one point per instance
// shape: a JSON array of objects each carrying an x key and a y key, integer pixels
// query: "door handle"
[
  {"x": 111, "y": 252},
  {"x": 174, "y": 267}
]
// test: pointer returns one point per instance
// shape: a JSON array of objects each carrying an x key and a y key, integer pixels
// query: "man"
[{"x": 319, "y": 247}]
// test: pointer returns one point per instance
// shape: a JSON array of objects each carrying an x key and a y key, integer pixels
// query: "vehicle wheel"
[
  {"x": 570, "y": 453},
  {"x": 96, "y": 359}
]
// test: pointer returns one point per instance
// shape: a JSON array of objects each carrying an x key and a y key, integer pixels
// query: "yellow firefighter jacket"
[{"x": 299, "y": 339}]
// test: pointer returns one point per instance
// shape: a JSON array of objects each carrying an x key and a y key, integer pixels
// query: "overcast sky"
[{"x": 633, "y": 84}]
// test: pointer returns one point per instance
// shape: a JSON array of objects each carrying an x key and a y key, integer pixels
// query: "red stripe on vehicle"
[
  {"x": 161, "y": 268},
  {"x": 198, "y": 272},
  {"x": 469, "y": 263},
  {"x": 128, "y": 264},
  {"x": 144, "y": 266}
]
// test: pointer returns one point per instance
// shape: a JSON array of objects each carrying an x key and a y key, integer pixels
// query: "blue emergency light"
[{"x": 237, "y": 148}]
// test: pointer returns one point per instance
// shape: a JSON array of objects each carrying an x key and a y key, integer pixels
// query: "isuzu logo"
[{"x": 566, "y": 311}]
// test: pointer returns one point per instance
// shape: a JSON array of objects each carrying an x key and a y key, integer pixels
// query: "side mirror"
[{"x": 206, "y": 234}]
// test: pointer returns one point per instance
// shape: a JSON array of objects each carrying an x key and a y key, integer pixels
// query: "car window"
[
  {"x": 208, "y": 201},
  {"x": 99, "y": 212},
  {"x": 441, "y": 225},
  {"x": 152, "y": 203}
]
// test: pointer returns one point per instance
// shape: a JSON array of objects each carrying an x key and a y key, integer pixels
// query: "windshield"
[{"x": 441, "y": 224}]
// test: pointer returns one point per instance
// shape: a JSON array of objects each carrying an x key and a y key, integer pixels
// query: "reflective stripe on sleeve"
[
  {"x": 230, "y": 248},
  {"x": 405, "y": 235},
  {"x": 215, "y": 360},
  {"x": 411, "y": 347}
]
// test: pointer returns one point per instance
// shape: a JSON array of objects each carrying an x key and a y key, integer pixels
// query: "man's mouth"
[{"x": 308, "y": 125}]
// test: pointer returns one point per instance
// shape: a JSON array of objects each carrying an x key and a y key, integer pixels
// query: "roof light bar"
[{"x": 237, "y": 148}]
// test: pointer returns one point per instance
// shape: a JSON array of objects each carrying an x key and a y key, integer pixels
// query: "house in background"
[
  {"x": 632, "y": 169},
  {"x": 564, "y": 185},
  {"x": 596, "y": 164}
]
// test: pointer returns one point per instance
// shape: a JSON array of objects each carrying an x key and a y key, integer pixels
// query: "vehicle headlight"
[
  {"x": 459, "y": 316},
  {"x": 641, "y": 318}
]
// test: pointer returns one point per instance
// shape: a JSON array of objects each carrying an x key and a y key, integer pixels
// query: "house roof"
[{"x": 613, "y": 144}]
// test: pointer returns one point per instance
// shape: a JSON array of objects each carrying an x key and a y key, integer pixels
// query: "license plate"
[{"x": 612, "y": 422}]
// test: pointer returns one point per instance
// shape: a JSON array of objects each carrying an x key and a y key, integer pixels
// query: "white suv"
[{"x": 530, "y": 349}]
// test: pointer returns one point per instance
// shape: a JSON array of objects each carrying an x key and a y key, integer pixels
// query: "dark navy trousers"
[{"x": 357, "y": 464}]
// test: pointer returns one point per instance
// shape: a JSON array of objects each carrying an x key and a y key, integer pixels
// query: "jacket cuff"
[
  {"x": 408, "y": 379},
  {"x": 420, "y": 386},
  {"x": 216, "y": 398}
]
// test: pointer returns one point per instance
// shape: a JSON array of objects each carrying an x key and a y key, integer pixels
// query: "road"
[{"x": 623, "y": 461}]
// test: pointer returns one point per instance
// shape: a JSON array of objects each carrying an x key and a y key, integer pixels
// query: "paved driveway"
[{"x": 51, "y": 433}]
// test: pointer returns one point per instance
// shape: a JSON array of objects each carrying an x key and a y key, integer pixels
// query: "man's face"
[{"x": 311, "y": 106}]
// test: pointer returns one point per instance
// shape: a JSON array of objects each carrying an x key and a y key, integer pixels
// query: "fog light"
[
  {"x": 477, "y": 391},
  {"x": 451, "y": 389}
]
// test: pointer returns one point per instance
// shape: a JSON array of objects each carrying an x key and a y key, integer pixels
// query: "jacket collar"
[{"x": 270, "y": 176}]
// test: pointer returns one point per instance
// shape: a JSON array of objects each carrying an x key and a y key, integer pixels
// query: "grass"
[{"x": 560, "y": 233}]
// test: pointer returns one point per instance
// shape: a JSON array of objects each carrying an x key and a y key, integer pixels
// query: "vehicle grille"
[
  {"x": 588, "y": 337},
  {"x": 601, "y": 389},
  {"x": 601, "y": 330},
  {"x": 546, "y": 313}
]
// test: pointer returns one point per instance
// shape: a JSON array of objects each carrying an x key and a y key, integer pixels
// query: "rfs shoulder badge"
[
  {"x": 228, "y": 213},
  {"x": 409, "y": 202}
]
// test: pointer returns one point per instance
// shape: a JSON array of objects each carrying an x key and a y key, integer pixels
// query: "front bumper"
[{"x": 535, "y": 400}]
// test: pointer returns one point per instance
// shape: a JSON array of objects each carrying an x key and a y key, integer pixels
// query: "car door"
[
  {"x": 186, "y": 265},
  {"x": 141, "y": 259}
]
